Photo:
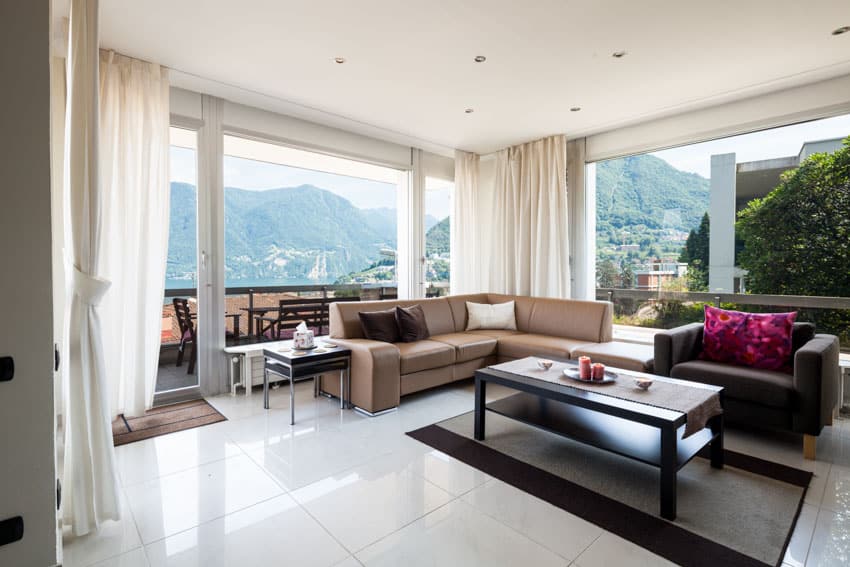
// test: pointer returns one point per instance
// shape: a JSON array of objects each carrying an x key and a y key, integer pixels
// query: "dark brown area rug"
[
  {"x": 742, "y": 515},
  {"x": 162, "y": 420}
]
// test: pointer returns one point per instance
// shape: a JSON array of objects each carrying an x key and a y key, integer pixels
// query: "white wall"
[
  {"x": 27, "y": 470},
  {"x": 257, "y": 123},
  {"x": 808, "y": 102}
]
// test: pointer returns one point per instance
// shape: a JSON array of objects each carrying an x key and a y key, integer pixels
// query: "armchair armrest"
[
  {"x": 375, "y": 374},
  {"x": 816, "y": 375},
  {"x": 677, "y": 345}
]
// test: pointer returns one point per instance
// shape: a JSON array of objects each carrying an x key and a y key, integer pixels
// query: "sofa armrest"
[
  {"x": 816, "y": 375},
  {"x": 375, "y": 378},
  {"x": 677, "y": 345}
]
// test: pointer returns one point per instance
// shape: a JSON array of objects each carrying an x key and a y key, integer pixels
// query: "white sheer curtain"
[
  {"x": 90, "y": 481},
  {"x": 134, "y": 123},
  {"x": 465, "y": 267},
  {"x": 117, "y": 192},
  {"x": 530, "y": 245}
]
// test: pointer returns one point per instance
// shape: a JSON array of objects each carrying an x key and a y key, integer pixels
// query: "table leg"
[
  {"x": 342, "y": 389},
  {"x": 716, "y": 448},
  {"x": 233, "y": 359},
  {"x": 291, "y": 397},
  {"x": 265, "y": 387},
  {"x": 249, "y": 372},
  {"x": 348, "y": 379},
  {"x": 480, "y": 407},
  {"x": 668, "y": 472}
]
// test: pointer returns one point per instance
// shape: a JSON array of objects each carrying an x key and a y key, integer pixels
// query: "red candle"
[
  {"x": 598, "y": 371},
  {"x": 584, "y": 367}
]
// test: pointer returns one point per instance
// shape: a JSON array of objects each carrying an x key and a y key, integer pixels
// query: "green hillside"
[
  {"x": 438, "y": 238},
  {"x": 644, "y": 202}
]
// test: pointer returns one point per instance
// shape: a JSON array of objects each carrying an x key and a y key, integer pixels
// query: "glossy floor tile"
[
  {"x": 363, "y": 504},
  {"x": 183, "y": 500},
  {"x": 831, "y": 540},
  {"x": 113, "y": 539},
  {"x": 135, "y": 558},
  {"x": 558, "y": 530},
  {"x": 457, "y": 534},
  {"x": 274, "y": 532},
  {"x": 167, "y": 454},
  {"x": 608, "y": 550},
  {"x": 338, "y": 488}
]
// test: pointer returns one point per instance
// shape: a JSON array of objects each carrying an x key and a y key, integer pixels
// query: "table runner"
[{"x": 699, "y": 404}]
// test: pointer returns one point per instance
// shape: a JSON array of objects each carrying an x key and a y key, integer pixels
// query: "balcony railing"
[{"x": 666, "y": 309}]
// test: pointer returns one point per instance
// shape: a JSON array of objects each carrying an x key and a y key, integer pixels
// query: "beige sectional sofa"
[{"x": 383, "y": 372}]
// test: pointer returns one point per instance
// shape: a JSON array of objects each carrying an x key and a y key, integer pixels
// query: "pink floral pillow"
[{"x": 758, "y": 340}]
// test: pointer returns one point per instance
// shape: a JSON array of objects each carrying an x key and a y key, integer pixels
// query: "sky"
[
  {"x": 767, "y": 144},
  {"x": 257, "y": 175}
]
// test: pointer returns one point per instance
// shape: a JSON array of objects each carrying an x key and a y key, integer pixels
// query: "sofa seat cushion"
[
  {"x": 765, "y": 387},
  {"x": 530, "y": 344},
  {"x": 628, "y": 356},
  {"x": 493, "y": 333},
  {"x": 424, "y": 355},
  {"x": 468, "y": 346}
]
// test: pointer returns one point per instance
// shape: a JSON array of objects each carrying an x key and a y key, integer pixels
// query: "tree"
[
  {"x": 606, "y": 273},
  {"x": 627, "y": 276},
  {"x": 695, "y": 254},
  {"x": 797, "y": 238}
]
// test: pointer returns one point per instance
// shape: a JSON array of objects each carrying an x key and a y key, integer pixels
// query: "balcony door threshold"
[{"x": 177, "y": 396}]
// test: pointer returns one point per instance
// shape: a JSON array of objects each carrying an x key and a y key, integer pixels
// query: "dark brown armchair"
[{"x": 802, "y": 402}]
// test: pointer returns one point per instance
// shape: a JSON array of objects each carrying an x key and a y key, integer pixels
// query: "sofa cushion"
[
  {"x": 528, "y": 344},
  {"x": 424, "y": 355},
  {"x": 457, "y": 303},
  {"x": 379, "y": 325},
  {"x": 589, "y": 321},
  {"x": 468, "y": 346},
  {"x": 628, "y": 356},
  {"x": 411, "y": 323},
  {"x": 494, "y": 333},
  {"x": 758, "y": 340},
  {"x": 765, "y": 387},
  {"x": 491, "y": 316}
]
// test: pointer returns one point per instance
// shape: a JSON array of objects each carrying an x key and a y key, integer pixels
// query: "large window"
[
  {"x": 439, "y": 195},
  {"x": 727, "y": 216},
  {"x": 294, "y": 217}
]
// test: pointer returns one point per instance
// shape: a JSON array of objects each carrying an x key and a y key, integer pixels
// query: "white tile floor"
[{"x": 339, "y": 489}]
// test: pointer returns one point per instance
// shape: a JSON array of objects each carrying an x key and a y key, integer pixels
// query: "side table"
[{"x": 294, "y": 364}]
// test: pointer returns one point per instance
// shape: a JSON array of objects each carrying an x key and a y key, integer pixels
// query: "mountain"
[
  {"x": 298, "y": 233},
  {"x": 437, "y": 239},
  {"x": 643, "y": 201}
]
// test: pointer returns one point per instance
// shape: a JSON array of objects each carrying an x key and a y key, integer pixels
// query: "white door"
[{"x": 27, "y": 469}]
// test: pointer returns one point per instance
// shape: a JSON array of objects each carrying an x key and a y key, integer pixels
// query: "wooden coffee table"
[{"x": 639, "y": 431}]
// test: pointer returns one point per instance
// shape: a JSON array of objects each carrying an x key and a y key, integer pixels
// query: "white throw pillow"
[{"x": 486, "y": 316}]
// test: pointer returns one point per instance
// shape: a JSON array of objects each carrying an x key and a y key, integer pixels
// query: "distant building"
[
  {"x": 733, "y": 185},
  {"x": 653, "y": 276}
]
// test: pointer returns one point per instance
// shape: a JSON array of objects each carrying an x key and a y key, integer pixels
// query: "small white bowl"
[
  {"x": 544, "y": 364},
  {"x": 643, "y": 383}
]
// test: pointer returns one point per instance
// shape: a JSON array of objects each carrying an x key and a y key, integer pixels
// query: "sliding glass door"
[{"x": 178, "y": 369}]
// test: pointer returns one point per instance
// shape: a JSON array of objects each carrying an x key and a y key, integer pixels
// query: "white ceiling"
[{"x": 410, "y": 68}]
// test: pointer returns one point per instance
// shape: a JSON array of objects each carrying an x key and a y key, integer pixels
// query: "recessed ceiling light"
[
  {"x": 841, "y": 30},
  {"x": 469, "y": 110},
  {"x": 575, "y": 109},
  {"x": 480, "y": 59},
  {"x": 339, "y": 60},
  {"x": 618, "y": 54}
]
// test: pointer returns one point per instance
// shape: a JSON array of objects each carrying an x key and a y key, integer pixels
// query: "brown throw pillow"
[
  {"x": 411, "y": 323},
  {"x": 379, "y": 325}
]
